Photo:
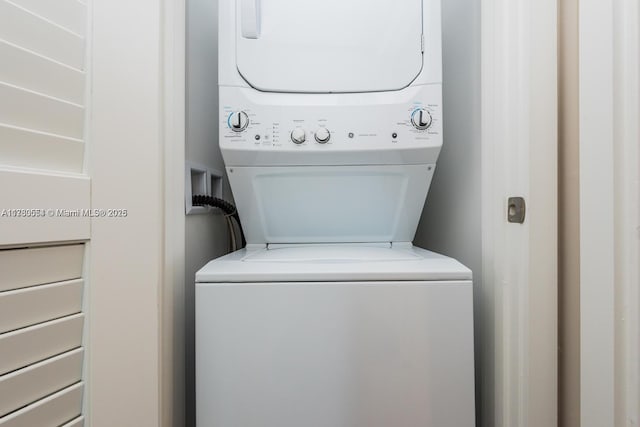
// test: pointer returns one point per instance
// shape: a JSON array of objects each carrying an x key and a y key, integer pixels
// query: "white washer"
[
  {"x": 334, "y": 336},
  {"x": 330, "y": 128}
]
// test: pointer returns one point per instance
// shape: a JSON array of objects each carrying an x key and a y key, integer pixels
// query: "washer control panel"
[
  {"x": 274, "y": 122},
  {"x": 245, "y": 125}
]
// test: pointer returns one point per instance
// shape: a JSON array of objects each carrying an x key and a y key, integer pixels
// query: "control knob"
[
  {"x": 323, "y": 135},
  {"x": 421, "y": 119},
  {"x": 298, "y": 135},
  {"x": 238, "y": 121}
]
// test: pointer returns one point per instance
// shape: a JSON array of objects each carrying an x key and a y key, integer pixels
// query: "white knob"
[
  {"x": 298, "y": 135},
  {"x": 238, "y": 121},
  {"x": 323, "y": 135},
  {"x": 421, "y": 119}
]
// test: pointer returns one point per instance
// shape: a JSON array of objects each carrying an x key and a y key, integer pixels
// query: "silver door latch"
[{"x": 516, "y": 210}]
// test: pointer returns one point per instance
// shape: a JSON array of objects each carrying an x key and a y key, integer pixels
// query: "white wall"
[
  {"x": 206, "y": 235},
  {"x": 450, "y": 223}
]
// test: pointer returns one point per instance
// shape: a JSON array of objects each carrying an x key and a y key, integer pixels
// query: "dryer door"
[{"x": 321, "y": 46}]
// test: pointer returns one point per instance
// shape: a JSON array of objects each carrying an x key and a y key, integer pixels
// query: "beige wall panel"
[
  {"x": 24, "y": 386},
  {"x": 29, "y": 345},
  {"x": 22, "y": 28},
  {"x": 25, "y": 307},
  {"x": 37, "y": 266},
  {"x": 53, "y": 410}
]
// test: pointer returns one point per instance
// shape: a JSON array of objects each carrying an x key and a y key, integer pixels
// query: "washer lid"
[
  {"x": 342, "y": 263},
  {"x": 322, "y": 46},
  {"x": 330, "y": 254}
]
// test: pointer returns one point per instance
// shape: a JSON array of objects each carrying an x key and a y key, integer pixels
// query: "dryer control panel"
[
  {"x": 295, "y": 129},
  {"x": 238, "y": 121}
]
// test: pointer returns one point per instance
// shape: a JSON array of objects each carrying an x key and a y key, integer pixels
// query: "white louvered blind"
[{"x": 43, "y": 190}]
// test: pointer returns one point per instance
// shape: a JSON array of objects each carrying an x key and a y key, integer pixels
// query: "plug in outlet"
[
  {"x": 200, "y": 180},
  {"x": 196, "y": 180}
]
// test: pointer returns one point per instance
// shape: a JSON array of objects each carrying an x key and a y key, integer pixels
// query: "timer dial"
[
  {"x": 238, "y": 121},
  {"x": 421, "y": 119}
]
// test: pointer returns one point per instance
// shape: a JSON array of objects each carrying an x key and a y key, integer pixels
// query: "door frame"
[
  {"x": 518, "y": 382},
  {"x": 609, "y": 47},
  {"x": 172, "y": 348},
  {"x": 518, "y": 386}
]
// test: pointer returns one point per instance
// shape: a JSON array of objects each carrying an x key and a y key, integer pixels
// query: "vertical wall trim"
[
  {"x": 596, "y": 213},
  {"x": 569, "y": 218},
  {"x": 519, "y": 153},
  {"x": 173, "y": 349},
  {"x": 626, "y": 82},
  {"x": 86, "y": 297},
  {"x": 542, "y": 276},
  {"x": 127, "y": 253}
]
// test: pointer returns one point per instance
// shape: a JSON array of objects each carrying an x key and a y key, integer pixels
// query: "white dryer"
[{"x": 331, "y": 125}]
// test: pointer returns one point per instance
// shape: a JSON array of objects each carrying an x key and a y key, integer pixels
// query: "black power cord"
[{"x": 226, "y": 207}]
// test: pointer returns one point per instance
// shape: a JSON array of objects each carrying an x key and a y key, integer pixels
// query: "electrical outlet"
[
  {"x": 200, "y": 180},
  {"x": 215, "y": 183}
]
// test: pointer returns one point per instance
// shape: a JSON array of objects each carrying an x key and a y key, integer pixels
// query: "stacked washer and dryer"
[{"x": 330, "y": 128}]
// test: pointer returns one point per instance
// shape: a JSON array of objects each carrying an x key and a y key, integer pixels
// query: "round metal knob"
[
  {"x": 323, "y": 135},
  {"x": 298, "y": 135},
  {"x": 238, "y": 121},
  {"x": 421, "y": 119}
]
